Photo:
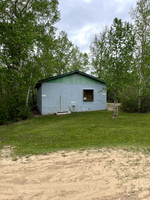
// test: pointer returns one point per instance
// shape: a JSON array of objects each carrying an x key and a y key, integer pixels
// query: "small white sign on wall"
[
  {"x": 43, "y": 95},
  {"x": 73, "y": 102}
]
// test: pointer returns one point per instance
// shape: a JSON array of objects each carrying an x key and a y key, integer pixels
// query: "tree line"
[
  {"x": 120, "y": 55},
  {"x": 31, "y": 50}
]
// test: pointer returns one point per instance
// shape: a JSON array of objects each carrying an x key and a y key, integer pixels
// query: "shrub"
[
  {"x": 3, "y": 111},
  {"x": 13, "y": 107},
  {"x": 130, "y": 100},
  {"x": 145, "y": 101}
]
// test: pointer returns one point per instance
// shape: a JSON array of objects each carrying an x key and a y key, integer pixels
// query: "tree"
[
  {"x": 62, "y": 52},
  {"x": 99, "y": 53},
  {"x": 113, "y": 56},
  {"x": 121, "y": 41},
  {"x": 141, "y": 17},
  {"x": 26, "y": 26},
  {"x": 79, "y": 60},
  {"x": 67, "y": 56}
]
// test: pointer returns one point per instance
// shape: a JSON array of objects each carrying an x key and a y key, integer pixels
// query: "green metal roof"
[{"x": 67, "y": 74}]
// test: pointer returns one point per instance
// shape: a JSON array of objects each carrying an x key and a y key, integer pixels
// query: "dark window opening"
[{"x": 88, "y": 95}]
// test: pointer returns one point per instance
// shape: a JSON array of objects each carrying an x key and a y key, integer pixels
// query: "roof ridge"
[{"x": 38, "y": 84}]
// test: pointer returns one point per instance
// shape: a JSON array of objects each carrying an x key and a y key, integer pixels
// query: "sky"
[{"x": 82, "y": 19}]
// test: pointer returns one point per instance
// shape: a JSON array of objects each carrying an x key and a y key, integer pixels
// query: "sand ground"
[{"x": 102, "y": 174}]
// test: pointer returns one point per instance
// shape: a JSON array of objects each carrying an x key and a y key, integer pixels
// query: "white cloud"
[
  {"x": 84, "y": 36},
  {"x": 125, "y": 1},
  {"x": 81, "y": 36},
  {"x": 87, "y": 1},
  {"x": 122, "y": 5},
  {"x": 82, "y": 19}
]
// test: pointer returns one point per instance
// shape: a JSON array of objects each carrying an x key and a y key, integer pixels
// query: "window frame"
[{"x": 84, "y": 96}]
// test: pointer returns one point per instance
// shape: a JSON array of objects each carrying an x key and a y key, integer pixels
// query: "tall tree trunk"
[
  {"x": 115, "y": 107},
  {"x": 28, "y": 92}
]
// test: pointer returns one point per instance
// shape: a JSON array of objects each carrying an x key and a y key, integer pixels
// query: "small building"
[{"x": 75, "y": 91}]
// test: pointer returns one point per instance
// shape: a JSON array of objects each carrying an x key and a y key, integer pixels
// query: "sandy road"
[{"x": 88, "y": 175}]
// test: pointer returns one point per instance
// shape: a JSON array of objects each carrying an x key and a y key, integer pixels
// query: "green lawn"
[{"x": 76, "y": 131}]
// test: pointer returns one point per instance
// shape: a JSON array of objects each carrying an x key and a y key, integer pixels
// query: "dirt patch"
[
  {"x": 104, "y": 174},
  {"x": 6, "y": 152}
]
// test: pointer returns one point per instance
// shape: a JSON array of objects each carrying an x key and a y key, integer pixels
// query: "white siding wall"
[{"x": 70, "y": 94}]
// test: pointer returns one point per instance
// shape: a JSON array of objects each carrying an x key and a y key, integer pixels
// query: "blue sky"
[{"x": 82, "y": 19}]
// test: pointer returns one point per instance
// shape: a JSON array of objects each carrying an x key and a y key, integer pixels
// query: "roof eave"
[{"x": 67, "y": 74}]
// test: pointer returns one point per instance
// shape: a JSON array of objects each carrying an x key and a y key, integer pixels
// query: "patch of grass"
[{"x": 79, "y": 130}]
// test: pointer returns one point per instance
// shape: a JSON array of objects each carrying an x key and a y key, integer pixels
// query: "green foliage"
[
  {"x": 31, "y": 51},
  {"x": 26, "y": 28},
  {"x": 99, "y": 54},
  {"x": 145, "y": 101},
  {"x": 112, "y": 55},
  {"x": 17, "y": 106},
  {"x": 53, "y": 133},
  {"x": 121, "y": 56},
  {"x": 13, "y": 105},
  {"x": 129, "y": 100},
  {"x": 141, "y": 17},
  {"x": 68, "y": 57},
  {"x": 4, "y": 116},
  {"x": 13, "y": 109},
  {"x": 24, "y": 25}
]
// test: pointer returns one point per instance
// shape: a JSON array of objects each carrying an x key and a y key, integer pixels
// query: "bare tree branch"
[
  {"x": 25, "y": 7},
  {"x": 16, "y": 2},
  {"x": 11, "y": 17},
  {"x": 14, "y": 6}
]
